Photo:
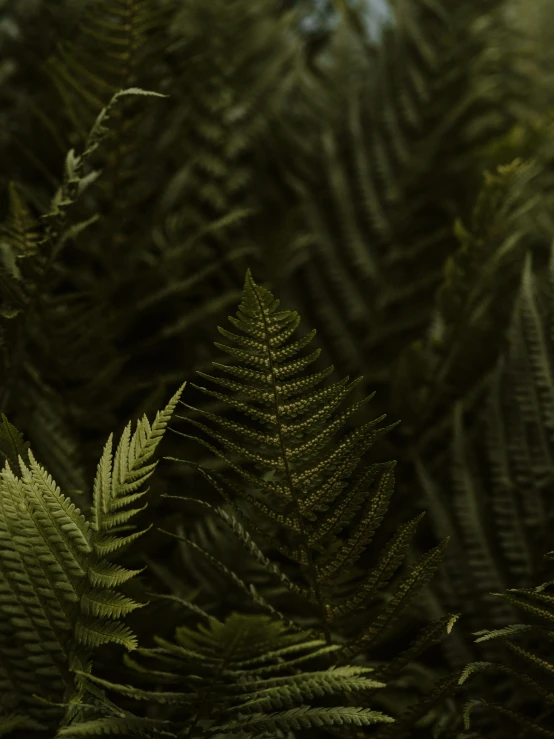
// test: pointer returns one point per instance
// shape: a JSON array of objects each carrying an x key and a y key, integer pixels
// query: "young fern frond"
[{"x": 59, "y": 596}]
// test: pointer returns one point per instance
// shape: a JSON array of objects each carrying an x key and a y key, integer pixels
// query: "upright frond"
[
  {"x": 308, "y": 493},
  {"x": 59, "y": 596}
]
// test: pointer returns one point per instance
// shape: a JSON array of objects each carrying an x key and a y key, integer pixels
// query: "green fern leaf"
[
  {"x": 246, "y": 674},
  {"x": 12, "y": 445},
  {"x": 323, "y": 511},
  {"x": 57, "y": 597},
  {"x": 307, "y": 718}
]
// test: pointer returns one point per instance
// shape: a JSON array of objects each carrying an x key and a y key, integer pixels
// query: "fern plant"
[
  {"x": 307, "y": 496},
  {"x": 500, "y": 516},
  {"x": 527, "y": 666},
  {"x": 392, "y": 168},
  {"x": 248, "y": 665},
  {"x": 62, "y": 596},
  {"x": 246, "y": 675},
  {"x": 34, "y": 254},
  {"x": 473, "y": 304},
  {"x": 337, "y": 170}
]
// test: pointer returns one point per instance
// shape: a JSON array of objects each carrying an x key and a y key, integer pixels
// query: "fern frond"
[
  {"x": 523, "y": 401},
  {"x": 499, "y": 503},
  {"x": 374, "y": 207},
  {"x": 114, "y": 43},
  {"x": 118, "y": 479},
  {"x": 472, "y": 303},
  {"x": 428, "y": 636},
  {"x": 57, "y": 592},
  {"x": 307, "y": 718},
  {"x": 128, "y": 726},
  {"x": 311, "y": 497},
  {"x": 246, "y": 674},
  {"x": 305, "y": 496},
  {"x": 413, "y": 715}
]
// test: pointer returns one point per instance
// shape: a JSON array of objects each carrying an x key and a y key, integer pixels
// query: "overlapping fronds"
[
  {"x": 379, "y": 217},
  {"x": 35, "y": 253},
  {"x": 499, "y": 504},
  {"x": 248, "y": 674},
  {"x": 239, "y": 98},
  {"x": 349, "y": 176},
  {"x": 113, "y": 47},
  {"x": 38, "y": 245},
  {"x": 186, "y": 262},
  {"x": 308, "y": 496},
  {"x": 473, "y": 303},
  {"x": 528, "y": 665},
  {"x": 60, "y": 594},
  {"x": 220, "y": 535}
]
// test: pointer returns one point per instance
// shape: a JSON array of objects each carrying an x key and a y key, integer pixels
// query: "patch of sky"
[{"x": 320, "y": 16}]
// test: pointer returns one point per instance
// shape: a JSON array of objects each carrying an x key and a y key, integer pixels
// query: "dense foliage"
[{"x": 292, "y": 567}]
